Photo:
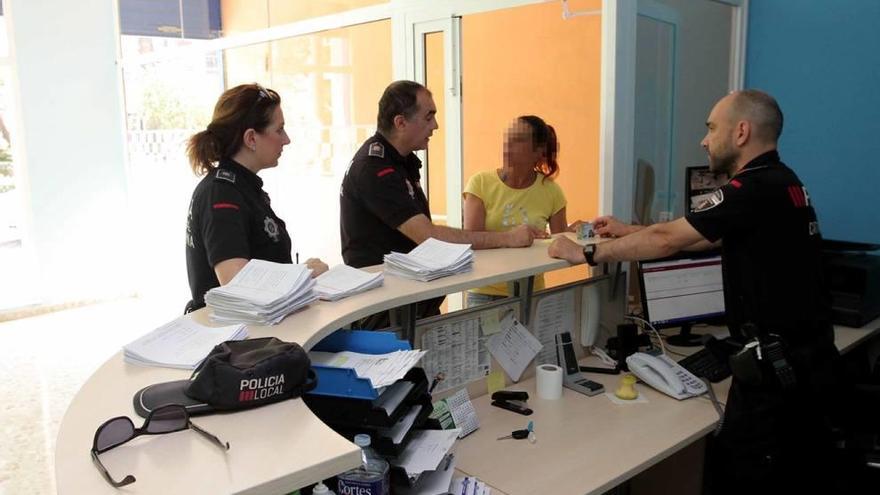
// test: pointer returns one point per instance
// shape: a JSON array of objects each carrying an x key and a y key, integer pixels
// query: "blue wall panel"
[{"x": 821, "y": 60}]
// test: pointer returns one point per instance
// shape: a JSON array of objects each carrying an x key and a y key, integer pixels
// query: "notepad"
[{"x": 181, "y": 343}]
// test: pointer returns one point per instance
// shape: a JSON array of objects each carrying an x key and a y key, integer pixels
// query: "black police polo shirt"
[
  {"x": 380, "y": 192},
  {"x": 771, "y": 251},
  {"x": 230, "y": 217}
]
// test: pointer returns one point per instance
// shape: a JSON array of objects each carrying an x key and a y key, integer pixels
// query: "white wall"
[{"x": 73, "y": 145}]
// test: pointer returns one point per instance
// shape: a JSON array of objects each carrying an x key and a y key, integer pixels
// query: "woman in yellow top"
[{"x": 522, "y": 191}]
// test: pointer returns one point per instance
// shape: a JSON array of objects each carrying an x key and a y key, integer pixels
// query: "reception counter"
[{"x": 274, "y": 449}]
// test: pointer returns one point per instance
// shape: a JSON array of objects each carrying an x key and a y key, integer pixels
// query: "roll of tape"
[{"x": 549, "y": 382}]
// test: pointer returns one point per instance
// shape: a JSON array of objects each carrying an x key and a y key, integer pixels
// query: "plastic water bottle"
[
  {"x": 321, "y": 489},
  {"x": 371, "y": 478}
]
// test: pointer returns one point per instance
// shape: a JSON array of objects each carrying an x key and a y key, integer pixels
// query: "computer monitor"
[
  {"x": 699, "y": 184},
  {"x": 682, "y": 290}
]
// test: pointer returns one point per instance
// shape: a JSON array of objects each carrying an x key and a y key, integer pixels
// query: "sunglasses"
[
  {"x": 117, "y": 431},
  {"x": 262, "y": 94}
]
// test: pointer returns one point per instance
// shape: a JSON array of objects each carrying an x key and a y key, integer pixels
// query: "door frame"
[
  {"x": 617, "y": 112},
  {"x": 451, "y": 119}
]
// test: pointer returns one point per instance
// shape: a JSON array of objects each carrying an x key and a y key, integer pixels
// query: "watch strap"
[{"x": 589, "y": 254}]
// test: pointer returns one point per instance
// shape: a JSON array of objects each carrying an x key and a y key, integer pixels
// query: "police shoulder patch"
[
  {"x": 376, "y": 149},
  {"x": 711, "y": 201},
  {"x": 224, "y": 174}
]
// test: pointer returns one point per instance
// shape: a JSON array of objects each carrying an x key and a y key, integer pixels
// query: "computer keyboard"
[{"x": 710, "y": 362}]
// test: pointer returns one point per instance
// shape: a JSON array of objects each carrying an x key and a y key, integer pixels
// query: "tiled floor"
[{"x": 43, "y": 362}]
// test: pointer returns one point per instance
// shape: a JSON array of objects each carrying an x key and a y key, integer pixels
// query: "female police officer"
[{"x": 230, "y": 218}]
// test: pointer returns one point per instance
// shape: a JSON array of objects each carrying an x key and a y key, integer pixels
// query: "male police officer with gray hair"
[
  {"x": 774, "y": 437},
  {"x": 382, "y": 205}
]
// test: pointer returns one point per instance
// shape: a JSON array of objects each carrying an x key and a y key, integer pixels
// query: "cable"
[
  {"x": 670, "y": 351},
  {"x": 648, "y": 323},
  {"x": 603, "y": 356},
  {"x": 718, "y": 406}
]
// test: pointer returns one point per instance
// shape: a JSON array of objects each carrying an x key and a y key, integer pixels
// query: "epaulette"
[
  {"x": 376, "y": 149},
  {"x": 223, "y": 174}
]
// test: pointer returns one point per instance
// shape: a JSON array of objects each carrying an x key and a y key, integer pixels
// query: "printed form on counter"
[{"x": 514, "y": 348}]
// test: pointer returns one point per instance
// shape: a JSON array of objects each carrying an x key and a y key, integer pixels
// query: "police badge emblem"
[{"x": 271, "y": 228}]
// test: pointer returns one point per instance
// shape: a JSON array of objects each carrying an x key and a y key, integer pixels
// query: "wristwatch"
[{"x": 589, "y": 254}]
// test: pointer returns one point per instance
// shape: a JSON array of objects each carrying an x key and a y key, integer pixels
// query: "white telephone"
[{"x": 665, "y": 375}]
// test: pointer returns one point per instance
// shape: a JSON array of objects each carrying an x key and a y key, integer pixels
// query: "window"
[{"x": 329, "y": 83}]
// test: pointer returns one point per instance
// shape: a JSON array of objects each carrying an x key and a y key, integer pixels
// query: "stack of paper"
[
  {"x": 343, "y": 281},
  {"x": 262, "y": 293},
  {"x": 181, "y": 343},
  {"x": 381, "y": 369},
  {"x": 430, "y": 260},
  {"x": 425, "y": 450}
]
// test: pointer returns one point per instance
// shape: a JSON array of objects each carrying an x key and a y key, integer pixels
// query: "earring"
[{"x": 254, "y": 148}]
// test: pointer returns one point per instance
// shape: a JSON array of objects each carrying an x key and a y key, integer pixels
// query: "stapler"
[{"x": 512, "y": 401}]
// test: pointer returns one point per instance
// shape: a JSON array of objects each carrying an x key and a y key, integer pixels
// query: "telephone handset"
[
  {"x": 665, "y": 375},
  {"x": 573, "y": 379}
]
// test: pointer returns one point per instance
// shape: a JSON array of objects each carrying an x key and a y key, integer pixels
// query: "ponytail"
[
  {"x": 201, "y": 149},
  {"x": 550, "y": 167},
  {"x": 544, "y": 137}
]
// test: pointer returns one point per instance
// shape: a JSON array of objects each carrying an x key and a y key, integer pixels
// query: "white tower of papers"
[
  {"x": 262, "y": 293},
  {"x": 431, "y": 260}
]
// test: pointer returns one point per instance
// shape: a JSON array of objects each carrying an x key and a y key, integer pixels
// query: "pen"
[{"x": 448, "y": 461}]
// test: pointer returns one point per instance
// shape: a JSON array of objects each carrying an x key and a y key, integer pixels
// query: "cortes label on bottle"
[{"x": 354, "y": 487}]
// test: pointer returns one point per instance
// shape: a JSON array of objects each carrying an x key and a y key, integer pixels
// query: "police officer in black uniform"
[
  {"x": 775, "y": 436},
  {"x": 382, "y": 205},
  {"x": 380, "y": 191},
  {"x": 230, "y": 219}
]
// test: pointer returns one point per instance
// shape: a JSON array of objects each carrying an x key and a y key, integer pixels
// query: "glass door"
[
  {"x": 20, "y": 287},
  {"x": 435, "y": 45},
  {"x": 684, "y": 64},
  {"x": 656, "y": 54},
  {"x": 435, "y": 63}
]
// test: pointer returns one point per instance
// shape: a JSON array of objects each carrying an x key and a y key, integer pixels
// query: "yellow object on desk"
[
  {"x": 494, "y": 381},
  {"x": 627, "y": 389}
]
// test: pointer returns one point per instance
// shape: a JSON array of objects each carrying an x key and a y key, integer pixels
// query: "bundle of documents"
[
  {"x": 342, "y": 281},
  {"x": 181, "y": 343},
  {"x": 382, "y": 369},
  {"x": 430, "y": 260},
  {"x": 424, "y": 452},
  {"x": 262, "y": 293}
]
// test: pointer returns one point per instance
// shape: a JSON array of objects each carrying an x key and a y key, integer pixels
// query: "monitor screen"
[{"x": 682, "y": 290}]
